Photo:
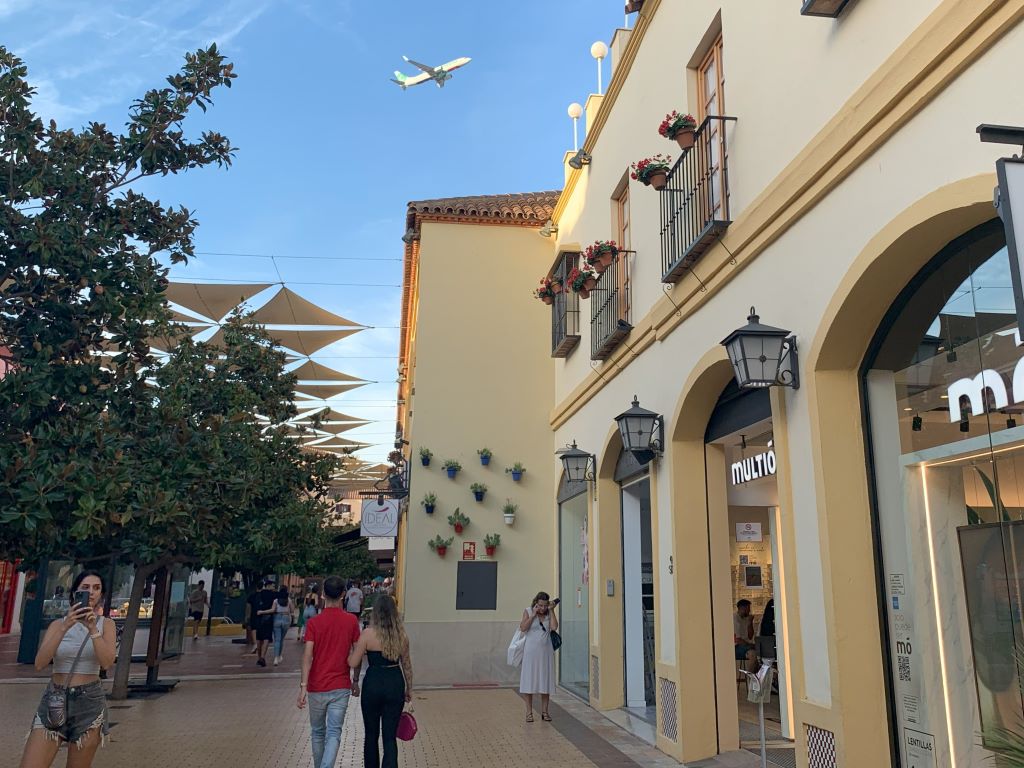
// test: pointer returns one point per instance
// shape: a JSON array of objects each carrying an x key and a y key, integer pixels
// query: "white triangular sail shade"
[
  {"x": 313, "y": 371},
  {"x": 309, "y": 342},
  {"x": 213, "y": 300},
  {"x": 288, "y": 308},
  {"x": 325, "y": 390},
  {"x": 325, "y": 412}
]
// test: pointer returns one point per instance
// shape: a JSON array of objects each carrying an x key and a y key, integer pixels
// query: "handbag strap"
[{"x": 401, "y": 668}]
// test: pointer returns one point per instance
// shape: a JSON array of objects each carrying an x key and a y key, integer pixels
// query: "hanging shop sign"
[
  {"x": 754, "y": 467},
  {"x": 379, "y": 518},
  {"x": 1010, "y": 205}
]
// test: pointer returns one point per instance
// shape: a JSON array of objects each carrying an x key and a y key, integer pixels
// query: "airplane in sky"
[{"x": 437, "y": 74}]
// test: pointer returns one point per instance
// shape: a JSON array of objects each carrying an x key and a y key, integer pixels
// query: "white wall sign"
[
  {"x": 920, "y": 749},
  {"x": 754, "y": 467},
  {"x": 380, "y": 518},
  {"x": 748, "y": 532},
  {"x": 375, "y": 543}
]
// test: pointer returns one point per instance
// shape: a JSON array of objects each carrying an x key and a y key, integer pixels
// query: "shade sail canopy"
[
  {"x": 288, "y": 308},
  {"x": 213, "y": 300},
  {"x": 325, "y": 390},
  {"x": 326, "y": 413},
  {"x": 313, "y": 371},
  {"x": 180, "y": 317},
  {"x": 309, "y": 342},
  {"x": 166, "y": 343},
  {"x": 335, "y": 427}
]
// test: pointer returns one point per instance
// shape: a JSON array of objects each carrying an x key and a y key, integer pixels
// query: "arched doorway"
[
  {"x": 574, "y": 586},
  {"x": 944, "y": 393}
]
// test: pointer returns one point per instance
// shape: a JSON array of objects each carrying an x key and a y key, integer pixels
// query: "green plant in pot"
[
  {"x": 491, "y": 542},
  {"x": 425, "y": 456},
  {"x": 458, "y": 521},
  {"x": 429, "y": 503},
  {"x": 485, "y": 456},
  {"x": 440, "y": 545},
  {"x": 509, "y": 511},
  {"x": 452, "y": 467},
  {"x": 478, "y": 489},
  {"x": 516, "y": 470}
]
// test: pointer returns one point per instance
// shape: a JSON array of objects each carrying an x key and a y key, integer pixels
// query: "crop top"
[{"x": 68, "y": 649}]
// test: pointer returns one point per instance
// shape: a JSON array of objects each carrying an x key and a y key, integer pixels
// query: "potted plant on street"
[
  {"x": 516, "y": 470},
  {"x": 478, "y": 489},
  {"x": 600, "y": 255},
  {"x": 491, "y": 542},
  {"x": 425, "y": 456},
  {"x": 509, "y": 511},
  {"x": 458, "y": 521},
  {"x": 452, "y": 467},
  {"x": 440, "y": 545},
  {"x": 679, "y": 127},
  {"x": 583, "y": 280},
  {"x": 485, "y": 456},
  {"x": 652, "y": 171},
  {"x": 429, "y": 503}
]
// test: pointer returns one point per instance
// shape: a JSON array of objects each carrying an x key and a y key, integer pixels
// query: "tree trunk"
[
  {"x": 156, "y": 629},
  {"x": 124, "y": 653}
]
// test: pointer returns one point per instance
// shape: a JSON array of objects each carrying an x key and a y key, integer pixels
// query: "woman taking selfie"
[
  {"x": 73, "y": 710},
  {"x": 387, "y": 685},
  {"x": 538, "y": 670}
]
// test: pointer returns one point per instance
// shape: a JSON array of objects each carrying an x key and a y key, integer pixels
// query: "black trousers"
[{"x": 382, "y": 700}]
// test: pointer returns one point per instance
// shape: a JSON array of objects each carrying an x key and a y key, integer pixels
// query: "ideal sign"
[
  {"x": 754, "y": 467},
  {"x": 380, "y": 517}
]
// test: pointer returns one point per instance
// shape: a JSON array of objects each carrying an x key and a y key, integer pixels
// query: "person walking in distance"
[
  {"x": 309, "y": 610},
  {"x": 198, "y": 600},
  {"x": 252, "y": 607},
  {"x": 79, "y": 646},
  {"x": 265, "y": 620},
  {"x": 326, "y": 682},
  {"x": 538, "y": 670},
  {"x": 354, "y": 599},
  {"x": 387, "y": 686},
  {"x": 282, "y": 622}
]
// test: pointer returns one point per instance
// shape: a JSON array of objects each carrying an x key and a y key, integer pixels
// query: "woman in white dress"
[{"x": 538, "y": 670}]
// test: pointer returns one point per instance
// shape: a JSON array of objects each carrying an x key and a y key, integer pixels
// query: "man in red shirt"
[{"x": 325, "y": 673}]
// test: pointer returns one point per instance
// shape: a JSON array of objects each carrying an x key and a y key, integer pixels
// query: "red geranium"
[
  {"x": 675, "y": 123},
  {"x": 647, "y": 166}
]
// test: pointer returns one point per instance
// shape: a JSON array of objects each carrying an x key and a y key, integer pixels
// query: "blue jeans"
[
  {"x": 282, "y": 622},
  {"x": 326, "y": 717}
]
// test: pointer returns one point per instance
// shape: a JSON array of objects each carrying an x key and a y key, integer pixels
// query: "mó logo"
[
  {"x": 761, "y": 465},
  {"x": 975, "y": 389}
]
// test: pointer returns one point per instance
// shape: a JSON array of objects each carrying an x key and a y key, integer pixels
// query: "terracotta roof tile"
[{"x": 527, "y": 206}]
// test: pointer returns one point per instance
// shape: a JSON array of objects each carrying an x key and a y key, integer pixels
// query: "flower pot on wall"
[
  {"x": 549, "y": 300},
  {"x": 517, "y": 476},
  {"x": 485, "y": 460},
  {"x": 458, "y": 528},
  {"x": 509, "y": 518},
  {"x": 657, "y": 179},
  {"x": 556, "y": 288},
  {"x": 429, "y": 508},
  {"x": 425, "y": 460},
  {"x": 490, "y": 551},
  {"x": 441, "y": 551},
  {"x": 479, "y": 495},
  {"x": 451, "y": 473}
]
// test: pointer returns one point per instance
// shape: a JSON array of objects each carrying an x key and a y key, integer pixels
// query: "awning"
[
  {"x": 288, "y": 308},
  {"x": 313, "y": 371},
  {"x": 212, "y": 300}
]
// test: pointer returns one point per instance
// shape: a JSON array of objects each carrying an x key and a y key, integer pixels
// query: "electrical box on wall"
[{"x": 610, "y": 587}]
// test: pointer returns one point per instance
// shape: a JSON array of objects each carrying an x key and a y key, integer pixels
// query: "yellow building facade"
[
  {"x": 475, "y": 374},
  {"x": 870, "y": 515}
]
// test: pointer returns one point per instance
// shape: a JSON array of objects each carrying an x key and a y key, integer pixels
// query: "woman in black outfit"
[{"x": 387, "y": 685}]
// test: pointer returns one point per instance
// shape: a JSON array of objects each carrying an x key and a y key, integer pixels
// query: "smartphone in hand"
[
  {"x": 556, "y": 601},
  {"x": 82, "y": 598}
]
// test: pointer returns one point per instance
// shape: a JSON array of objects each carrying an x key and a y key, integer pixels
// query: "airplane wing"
[{"x": 424, "y": 67}]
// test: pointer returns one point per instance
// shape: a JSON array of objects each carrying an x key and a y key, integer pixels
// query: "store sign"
[
  {"x": 754, "y": 467},
  {"x": 748, "y": 532},
  {"x": 380, "y": 517},
  {"x": 380, "y": 543},
  {"x": 989, "y": 380}
]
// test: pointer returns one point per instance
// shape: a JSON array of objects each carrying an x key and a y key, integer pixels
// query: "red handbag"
[{"x": 407, "y": 727}]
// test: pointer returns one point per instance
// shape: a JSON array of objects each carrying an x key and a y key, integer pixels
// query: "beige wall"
[
  {"x": 483, "y": 376},
  {"x": 824, "y": 178}
]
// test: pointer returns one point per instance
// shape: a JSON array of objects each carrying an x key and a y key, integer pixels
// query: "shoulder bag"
[
  {"x": 407, "y": 726},
  {"x": 556, "y": 639},
  {"x": 56, "y": 696}
]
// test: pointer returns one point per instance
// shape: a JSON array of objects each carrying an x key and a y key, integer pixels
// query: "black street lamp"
[
  {"x": 762, "y": 356},
  {"x": 578, "y": 465},
  {"x": 642, "y": 431}
]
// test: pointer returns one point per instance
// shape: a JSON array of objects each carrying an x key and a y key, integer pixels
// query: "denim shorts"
[{"x": 87, "y": 709}]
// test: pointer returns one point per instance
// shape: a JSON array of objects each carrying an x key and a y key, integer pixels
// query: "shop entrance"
[
  {"x": 740, "y": 435},
  {"x": 574, "y": 588},
  {"x": 637, "y": 587}
]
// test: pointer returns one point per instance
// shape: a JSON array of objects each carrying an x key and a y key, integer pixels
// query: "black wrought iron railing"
[
  {"x": 565, "y": 310},
  {"x": 695, "y": 204},
  {"x": 611, "y": 310}
]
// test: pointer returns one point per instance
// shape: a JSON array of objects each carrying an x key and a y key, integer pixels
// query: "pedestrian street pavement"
[{"x": 252, "y": 722}]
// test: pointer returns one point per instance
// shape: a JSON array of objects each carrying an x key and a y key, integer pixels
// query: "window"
[
  {"x": 711, "y": 102},
  {"x": 565, "y": 309}
]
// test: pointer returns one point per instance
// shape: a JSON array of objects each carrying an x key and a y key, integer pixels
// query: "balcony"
[
  {"x": 695, "y": 204},
  {"x": 611, "y": 311},
  {"x": 565, "y": 310}
]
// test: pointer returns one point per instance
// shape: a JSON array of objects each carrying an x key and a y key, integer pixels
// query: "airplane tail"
[{"x": 399, "y": 79}]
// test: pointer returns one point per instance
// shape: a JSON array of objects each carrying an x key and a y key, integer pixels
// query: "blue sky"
[{"x": 329, "y": 150}]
